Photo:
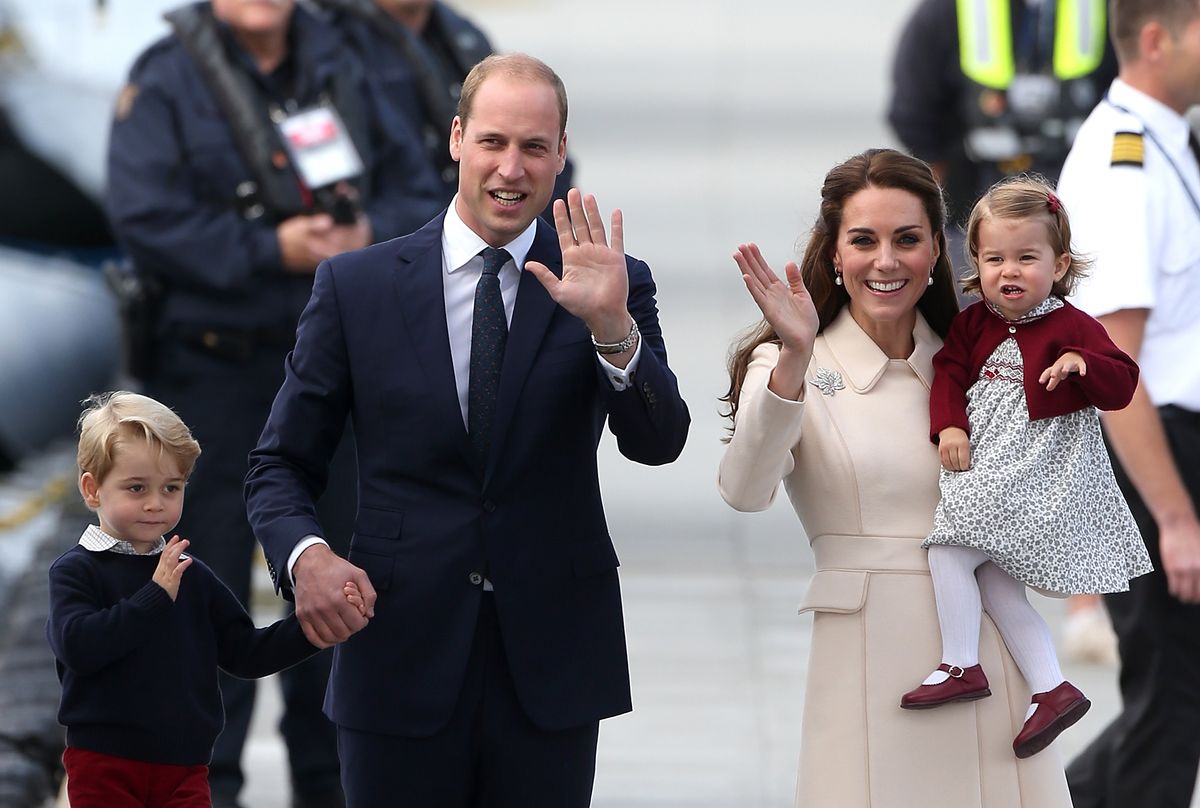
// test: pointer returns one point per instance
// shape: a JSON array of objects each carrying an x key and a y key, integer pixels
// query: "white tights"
[{"x": 965, "y": 582}]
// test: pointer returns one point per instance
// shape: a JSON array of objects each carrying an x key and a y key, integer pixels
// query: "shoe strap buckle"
[{"x": 955, "y": 671}]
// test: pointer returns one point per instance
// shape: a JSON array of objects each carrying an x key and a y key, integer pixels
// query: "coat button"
[
  {"x": 1012, "y": 329},
  {"x": 489, "y": 506},
  {"x": 475, "y": 578}
]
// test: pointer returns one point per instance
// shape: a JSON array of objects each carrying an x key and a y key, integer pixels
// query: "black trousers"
[
  {"x": 1148, "y": 755},
  {"x": 490, "y": 755},
  {"x": 226, "y": 404}
]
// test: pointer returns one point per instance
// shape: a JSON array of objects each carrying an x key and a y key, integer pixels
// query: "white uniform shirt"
[{"x": 1141, "y": 227}]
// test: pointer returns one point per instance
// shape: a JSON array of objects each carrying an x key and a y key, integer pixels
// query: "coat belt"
[{"x": 871, "y": 553}]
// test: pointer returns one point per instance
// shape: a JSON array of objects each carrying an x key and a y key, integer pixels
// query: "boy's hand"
[
  {"x": 171, "y": 565},
  {"x": 1068, "y": 363},
  {"x": 954, "y": 447},
  {"x": 355, "y": 597}
]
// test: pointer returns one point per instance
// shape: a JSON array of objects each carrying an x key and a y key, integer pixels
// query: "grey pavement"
[{"x": 708, "y": 123}]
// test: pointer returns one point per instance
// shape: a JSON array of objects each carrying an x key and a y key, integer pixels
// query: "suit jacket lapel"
[
  {"x": 422, "y": 308},
  {"x": 531, "y": 318}
]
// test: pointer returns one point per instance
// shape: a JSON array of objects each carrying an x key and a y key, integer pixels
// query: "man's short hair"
[
  {"x": 111, "y": 419},
  {"x": 1127, "y": 17},
  {"x": 513, "y": 65}
]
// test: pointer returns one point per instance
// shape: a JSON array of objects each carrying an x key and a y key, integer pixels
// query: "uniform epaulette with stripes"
[{"x": 1127, "y": 149}]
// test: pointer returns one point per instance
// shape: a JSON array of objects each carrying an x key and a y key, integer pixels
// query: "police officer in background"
[
  {"x": 1131, "y": 185},
  {"x": 1006, "y": 98},
  {"x": 419, "y": 52},
  {"x": 246, "y": 148}
]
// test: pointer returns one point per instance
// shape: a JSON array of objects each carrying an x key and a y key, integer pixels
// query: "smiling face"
[
  {"x": 885, "y": 252},
  {"x": 141, "y": 497},
  {"x": 509, "y": 149},
  {"x": 1017, "y": 264}
]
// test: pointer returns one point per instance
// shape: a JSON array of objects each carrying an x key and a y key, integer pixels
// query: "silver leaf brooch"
[{"x": 828, "y": 381}]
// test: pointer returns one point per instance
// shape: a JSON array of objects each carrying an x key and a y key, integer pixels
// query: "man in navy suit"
[{"x": 493, "y": 642}]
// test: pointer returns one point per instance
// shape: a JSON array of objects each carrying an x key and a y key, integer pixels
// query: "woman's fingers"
[{"x": 754, "y": 264}]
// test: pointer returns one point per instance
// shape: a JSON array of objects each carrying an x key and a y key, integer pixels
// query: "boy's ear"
[{"x": 89, "y": 487}]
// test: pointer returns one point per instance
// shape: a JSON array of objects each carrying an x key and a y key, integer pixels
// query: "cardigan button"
[{"x": 1012, "y": 329}]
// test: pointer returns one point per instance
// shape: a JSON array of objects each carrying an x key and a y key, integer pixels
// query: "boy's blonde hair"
[
  {"x": 109, "y": 419},
  {"x": 1025, "y": 196}
]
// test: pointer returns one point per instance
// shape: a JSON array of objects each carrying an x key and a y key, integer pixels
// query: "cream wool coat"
[{"x": 863, "y": 477}]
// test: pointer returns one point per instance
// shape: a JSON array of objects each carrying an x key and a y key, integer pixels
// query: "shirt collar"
[
  {"x": 863, "y": 360},
  {"x": 98, "y": 541},
  {"x": 460, "y": 243},
  {"x": 1050, "y": 304},
  {"x": 1166, "y": 124}
]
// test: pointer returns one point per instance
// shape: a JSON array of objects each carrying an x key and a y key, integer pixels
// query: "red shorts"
[{"x": 96, "y": 780}]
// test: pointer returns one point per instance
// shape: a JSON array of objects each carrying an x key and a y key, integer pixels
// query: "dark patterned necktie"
[{"x": 489, "y": 332}]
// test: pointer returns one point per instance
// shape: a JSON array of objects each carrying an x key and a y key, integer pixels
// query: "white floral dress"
[{"x": 1040, "y": 498}]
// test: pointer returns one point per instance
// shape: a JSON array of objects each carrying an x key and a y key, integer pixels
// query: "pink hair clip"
[{"x": 1053, "y": 202}]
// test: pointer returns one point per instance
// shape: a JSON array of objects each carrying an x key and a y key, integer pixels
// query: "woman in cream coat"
[{"x": 830, "y": 394}]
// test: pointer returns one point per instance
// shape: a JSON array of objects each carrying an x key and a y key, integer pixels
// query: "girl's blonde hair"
[
  {"x": 110, "y": 419},
  {"x": 1025, "y": 196}
]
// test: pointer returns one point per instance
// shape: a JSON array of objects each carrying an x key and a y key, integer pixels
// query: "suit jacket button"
[{"x": 475, "y": 578}]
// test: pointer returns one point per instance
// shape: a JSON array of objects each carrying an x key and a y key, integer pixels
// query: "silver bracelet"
[{"x": 618, "y": 347}]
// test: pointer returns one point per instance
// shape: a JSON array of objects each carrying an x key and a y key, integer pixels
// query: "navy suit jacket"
[{"x": 373, "y": 344}]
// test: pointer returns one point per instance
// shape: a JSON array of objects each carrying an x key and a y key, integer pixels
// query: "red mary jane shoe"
[
  {"x": 1056, "y": 710},
  {"x": 964, "y": 684}
]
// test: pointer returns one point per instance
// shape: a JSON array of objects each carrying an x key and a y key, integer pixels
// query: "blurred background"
[{"x": 709, "y": 123}]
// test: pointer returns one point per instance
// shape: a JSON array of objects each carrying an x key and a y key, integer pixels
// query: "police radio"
[{"x": 323, "y": 155}]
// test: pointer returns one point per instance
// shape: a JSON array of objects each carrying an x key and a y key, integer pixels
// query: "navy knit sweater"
[{"x": 138, "y": 671}]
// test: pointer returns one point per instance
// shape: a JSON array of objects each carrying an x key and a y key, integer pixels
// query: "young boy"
[{"x": 137, "y": 646}]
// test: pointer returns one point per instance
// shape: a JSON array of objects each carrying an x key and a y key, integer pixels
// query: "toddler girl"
[{"x": 1028, "y": 495}]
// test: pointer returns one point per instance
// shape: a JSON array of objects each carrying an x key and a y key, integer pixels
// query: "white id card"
[{"x": 320, "y": 146}]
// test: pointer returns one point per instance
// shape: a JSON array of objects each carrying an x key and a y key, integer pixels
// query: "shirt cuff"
[
  {"x": 305, "y": 543},
  {"x": 621, "y": 378}
]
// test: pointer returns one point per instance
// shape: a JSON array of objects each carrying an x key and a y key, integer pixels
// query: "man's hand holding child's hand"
[
  {"x": 355, "y": 597},
  {"x": 171, "y": 564}
]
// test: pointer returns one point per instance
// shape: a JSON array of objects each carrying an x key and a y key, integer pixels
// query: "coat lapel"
[
  {"x": 865, "y": 363},
  {"x": 531, "y": 318},
  {"x": 422, "y": 307}
]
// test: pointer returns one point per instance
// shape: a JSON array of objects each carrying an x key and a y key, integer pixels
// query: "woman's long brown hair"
[{"x": 874, "y": 168}]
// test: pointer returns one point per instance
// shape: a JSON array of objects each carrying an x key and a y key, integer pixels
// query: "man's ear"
[
  {"x": 456, "y": 139},
  {"x": 89, "y": 488},
  {"x": 1151, "y": 40},
  {"x": 562, "y": 153}
]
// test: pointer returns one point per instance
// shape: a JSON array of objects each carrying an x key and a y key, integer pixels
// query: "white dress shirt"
[
  {"x": 462, "y": 266},
  {"x": 1141, "y": 226}
]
